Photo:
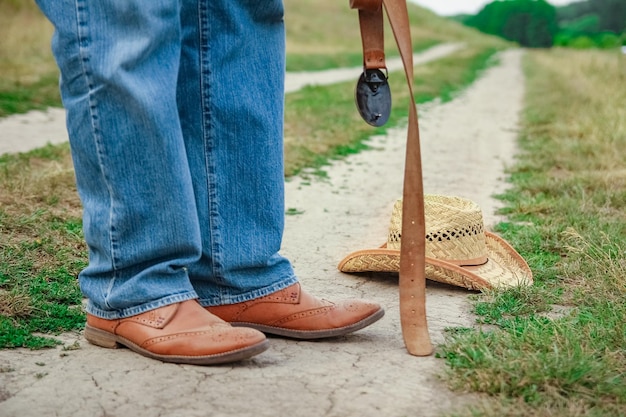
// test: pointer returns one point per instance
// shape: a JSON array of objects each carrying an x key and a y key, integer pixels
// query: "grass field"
[
  {"x": 554, "y": 349},
  {"x": 559, "y": 347}
]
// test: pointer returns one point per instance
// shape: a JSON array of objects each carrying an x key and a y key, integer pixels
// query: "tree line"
[{"x": 538, "y": 24}]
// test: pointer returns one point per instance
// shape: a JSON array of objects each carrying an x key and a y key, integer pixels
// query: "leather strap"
[{"x": 412, "y": 250}]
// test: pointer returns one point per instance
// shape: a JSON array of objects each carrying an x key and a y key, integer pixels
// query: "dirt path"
[{"x": 466, "y": 144}]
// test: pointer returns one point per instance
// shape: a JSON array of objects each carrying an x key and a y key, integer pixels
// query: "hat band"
[{"x": 468, "y": 262}]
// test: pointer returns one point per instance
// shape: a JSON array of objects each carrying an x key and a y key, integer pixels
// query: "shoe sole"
[
  {"x": 111, "y": 341},
  {"x": 314, "y": 334}
]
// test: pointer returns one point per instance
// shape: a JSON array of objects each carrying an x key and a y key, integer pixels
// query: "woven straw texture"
[
  {"x": 454, "y": 228},
  {"x": 455, "y": 236}
]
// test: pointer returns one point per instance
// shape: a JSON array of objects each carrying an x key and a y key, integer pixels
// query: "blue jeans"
[{"x": 175, "y": 118}]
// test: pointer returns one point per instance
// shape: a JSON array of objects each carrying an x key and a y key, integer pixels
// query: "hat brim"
[{"x": 504, "y": 266}]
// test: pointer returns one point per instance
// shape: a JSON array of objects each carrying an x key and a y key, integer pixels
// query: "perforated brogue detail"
[
  {"x": 303, "y": 315},
  {"x": 158, "y": 318},
  {"x": 283, "y": 296},
  {"x": 216, "y": 335}
]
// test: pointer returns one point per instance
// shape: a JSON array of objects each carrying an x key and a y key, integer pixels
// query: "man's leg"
[
  {"x": 235, "y": 149},
  {"x": 119, "y": 62},
  {"x": 234, "y": 146}
]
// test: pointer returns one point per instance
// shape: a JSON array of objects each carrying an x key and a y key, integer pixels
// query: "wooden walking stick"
[{"x": 373, "y": 100}]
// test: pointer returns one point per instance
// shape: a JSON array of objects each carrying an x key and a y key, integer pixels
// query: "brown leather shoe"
[
  {"x": 180, "y": 333},
  {"x": 292, "y": 312}
]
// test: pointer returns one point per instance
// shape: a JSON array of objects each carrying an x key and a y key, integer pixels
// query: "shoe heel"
[{"x": 100, "y": 338}]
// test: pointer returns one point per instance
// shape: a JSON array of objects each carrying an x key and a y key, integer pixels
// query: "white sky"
[{"x": 451, "y": 7}]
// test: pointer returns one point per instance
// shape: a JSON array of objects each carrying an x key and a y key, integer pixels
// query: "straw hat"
[{"x": 458, "y": 249}]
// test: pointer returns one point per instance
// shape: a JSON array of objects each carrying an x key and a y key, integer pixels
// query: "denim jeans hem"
[
  {"x": 251, "y": 295},
  {"x": 133, "y": 311}
]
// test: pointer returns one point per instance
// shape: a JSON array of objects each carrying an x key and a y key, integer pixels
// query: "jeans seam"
[
  {"x": 83, "y": 48},
  {"x": 207, "y": 134}
]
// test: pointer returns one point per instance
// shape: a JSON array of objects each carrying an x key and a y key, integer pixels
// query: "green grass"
[
  {"x": 558, "y": 348},
  {"x": 29, "y": 75},
  {"x": 19, "y": 97},
  {"x": 42, "y": 247}
]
